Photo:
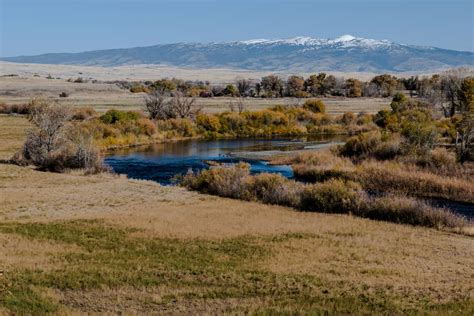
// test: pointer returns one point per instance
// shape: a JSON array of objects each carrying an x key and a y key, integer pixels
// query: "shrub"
[
  {"x": 55, "y": 144},
  {"x": 320, "y": 119},
  {"x": 208, "y": 122},
  {"x": 348, "y": 118},
  {"x": 223, "y": 181},
  {"x": 114, "y": 116},
  {"x": 386, "y": 119},
  {"x": 276, "y": 189},
  {"x": 146, "y": 126},
  {"x": 361, "y": 145},
  {"x": 139, "y": 89},
  {"x": 334, "y": 196},
  {"x": 82, "y": 114},
  {"x": 206, "y": 94},
  {"x": 321, "y": 166},
  {"x": 177, "y": 128},
  {"x": 15, "y": 108},
  {"x": 418, "y": 137},
  {"x": 230, "y": 90},
  {"x": 387, "y": 149},
  {"x": 440, "y": 161},
  {"x": 234, "y": 124},
  {"x": 302, "y": 94},
  {"x": 398, "y": 101},
  {"x": 364, "y": 118},
  {"x": 405, "y": 210},
  {"x": 315, "y": 106},
  {"x": 392, "y": 177},
  {"x": 81, "y": 151}
]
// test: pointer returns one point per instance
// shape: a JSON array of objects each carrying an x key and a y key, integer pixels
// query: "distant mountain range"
[{"x": 300, "y": 54}]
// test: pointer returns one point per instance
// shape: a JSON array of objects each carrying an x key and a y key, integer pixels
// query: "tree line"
[
  {"x": 436, "y": 88},
  {"x": 273, "y": 86}
]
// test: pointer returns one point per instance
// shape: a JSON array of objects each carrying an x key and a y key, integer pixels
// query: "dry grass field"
[
  {"x": 71, "y": 243},
  {"x": 103, "y": 96},
  {"x": 153, "y": 72}
]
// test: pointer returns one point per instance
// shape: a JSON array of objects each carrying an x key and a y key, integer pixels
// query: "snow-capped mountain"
[
  {"x": 315, "y": 43},
  {"x": 306, "y": 54}
]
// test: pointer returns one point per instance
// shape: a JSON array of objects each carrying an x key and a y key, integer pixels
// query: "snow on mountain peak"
[
  {"x": 344, "y": 38},
  {"x": 341, "y": 41},
  {"x": 299, "y": 40},
  {"x": 255, "y": 41}
]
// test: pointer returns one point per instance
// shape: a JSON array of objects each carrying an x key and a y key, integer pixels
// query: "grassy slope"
[{"x": 104, "y": 244}]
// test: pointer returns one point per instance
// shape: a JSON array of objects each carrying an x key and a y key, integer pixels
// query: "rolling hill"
[{"x": 302, "y": 54}]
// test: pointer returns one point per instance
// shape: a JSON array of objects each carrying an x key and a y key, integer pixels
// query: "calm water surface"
[{"x": 161, "y": 162}]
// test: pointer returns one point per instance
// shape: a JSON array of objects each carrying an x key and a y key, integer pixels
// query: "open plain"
[{"x": 104, "y": 243}]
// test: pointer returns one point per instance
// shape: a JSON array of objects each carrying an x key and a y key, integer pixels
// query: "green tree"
[
  {"x": 398, "y": 102},
  {"x": 231, "y": 90}
]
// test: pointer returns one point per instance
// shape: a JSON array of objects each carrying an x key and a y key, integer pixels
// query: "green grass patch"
[
  {"x": 21, "y": 299},
  {"x": 109, "y": 257}
]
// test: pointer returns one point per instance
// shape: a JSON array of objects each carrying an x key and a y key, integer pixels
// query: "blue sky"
[{"x": 30, "y": 27}]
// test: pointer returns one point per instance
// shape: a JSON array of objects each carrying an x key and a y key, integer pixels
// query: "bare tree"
[
  {"x": 272, "y": 85},
  {"x": 54, "y": 143},
  {"x": 295, "y": 86},
  {"x": 157, "y": 106},
  {"x": 183, "y": 106},
  {"x": 340, "y": 86},
  {"x": 48, "y": 122},
  {"x": 465, "y": 137},
  {"x": 243, "y": 85},
  {"x": 82, "y": 150},
  {"x": 450, "y": 83},
  {"x": 47, "y": 136},
  {"x": 239, "y": 104}
]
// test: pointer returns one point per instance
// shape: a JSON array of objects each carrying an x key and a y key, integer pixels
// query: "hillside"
[{"x": 300, "y": 54}]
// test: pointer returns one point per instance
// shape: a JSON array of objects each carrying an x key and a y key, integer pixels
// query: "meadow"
[
  {"x": 74, "y": 242},
  {"x": 139, "y": 247}
]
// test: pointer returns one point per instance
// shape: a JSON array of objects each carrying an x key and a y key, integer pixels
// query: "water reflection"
[{"x": 160, "y": 162}]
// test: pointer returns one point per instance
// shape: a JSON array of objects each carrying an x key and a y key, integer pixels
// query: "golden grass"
[
  {"x": 12, "y": 134},
  {"x": 398, "y": 178},
  {"x": 19, "y": 252},
  {"x": 391, "y": 176},
  {"x": 415, "y": 267},
  {"x": 103, "y": 97}
]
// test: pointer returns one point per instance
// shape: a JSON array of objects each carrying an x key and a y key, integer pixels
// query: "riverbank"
[{"x": 221, "y": 255}]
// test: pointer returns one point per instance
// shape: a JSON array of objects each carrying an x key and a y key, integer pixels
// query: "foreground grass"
[
  {"x": 108, "y": 258},
  {"x": 12, "y": 134}
]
